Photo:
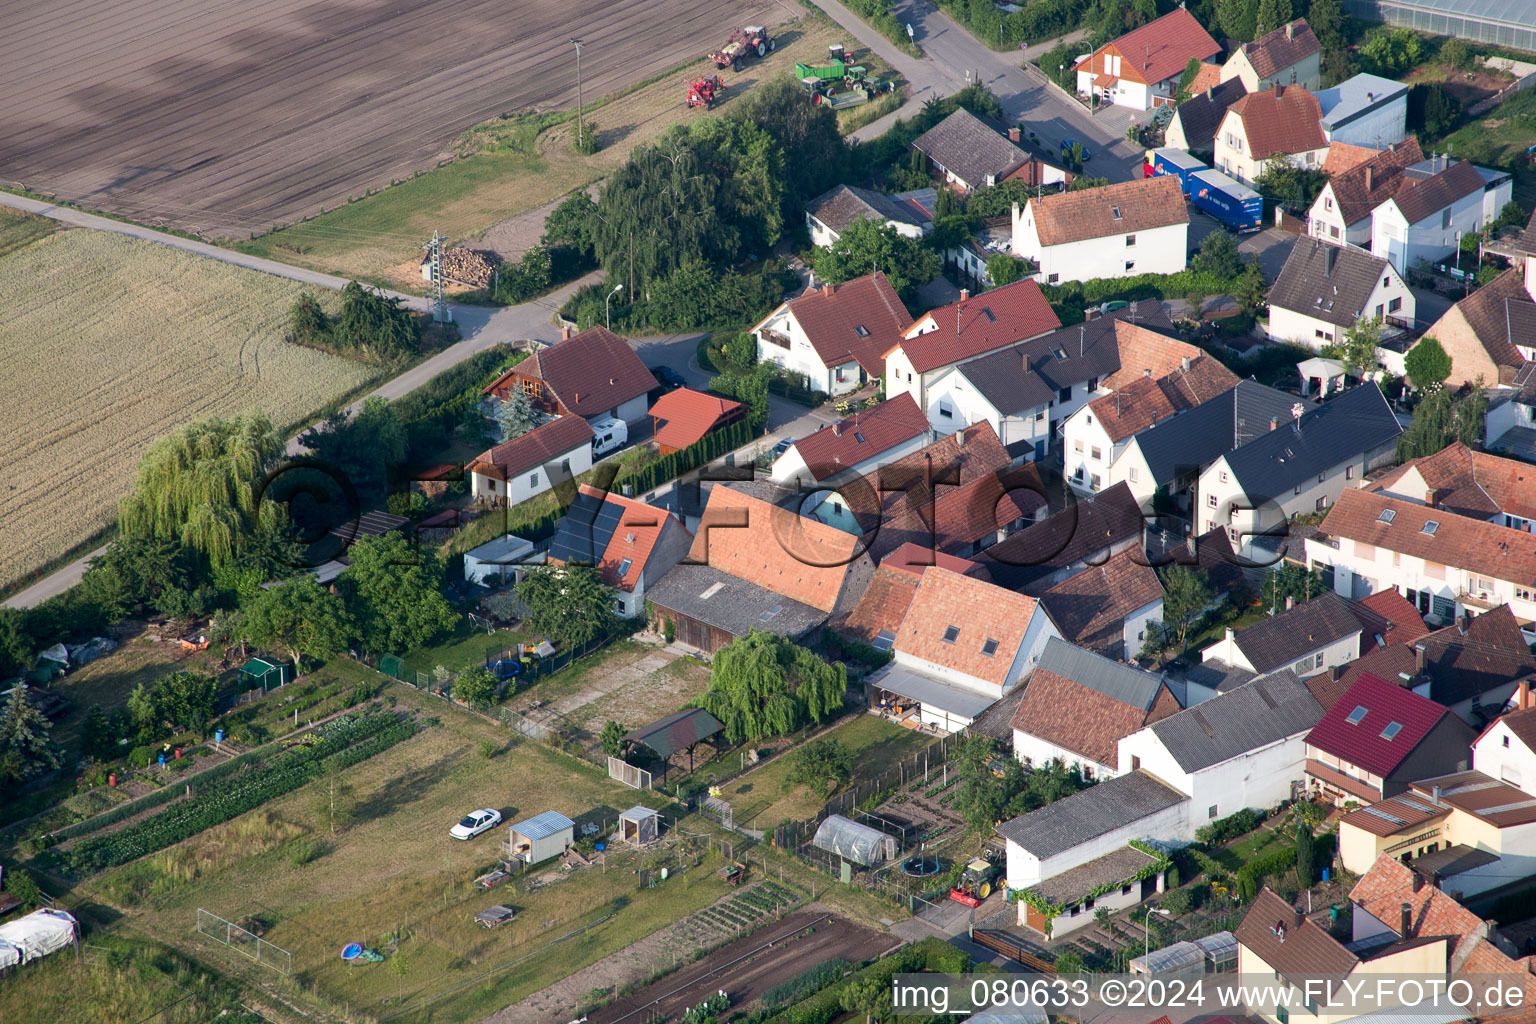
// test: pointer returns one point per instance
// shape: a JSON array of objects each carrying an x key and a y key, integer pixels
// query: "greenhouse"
[
  {"x": 1500, "y": 22},
  {"x": 1220, "y": 952},
  {"x": 851, "y": 841}
]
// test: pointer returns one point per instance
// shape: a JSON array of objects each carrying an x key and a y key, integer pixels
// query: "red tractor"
[
  {"x": 752, "y": 41},
  {"x": 702, "y": 92}
]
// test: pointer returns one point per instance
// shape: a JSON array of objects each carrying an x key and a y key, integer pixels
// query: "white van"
[{"x": 612, "y": 434}]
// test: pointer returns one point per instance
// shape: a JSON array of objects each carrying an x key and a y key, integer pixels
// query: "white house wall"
[
  {"x": 1031, "y": 749},
  {"x": 1026, "y": 870},
  {"x": 1082, "y": 435},
  {"x": 1431, "y": 239},
  {"x": 1502, "y": 755},
  {"x": 1249, "y": 522},
  {"x": 1377, "y": 128},
  {"x": 534, "y": 482},
  {"x": 1325, "y": 221},
  {"x": 1160, "y": 250},
  {"x": 801, "y": 355},
  {"x": 1360, "y": 570}
]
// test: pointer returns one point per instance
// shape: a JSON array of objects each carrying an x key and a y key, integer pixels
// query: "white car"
[{"x": 475, "y": 822}]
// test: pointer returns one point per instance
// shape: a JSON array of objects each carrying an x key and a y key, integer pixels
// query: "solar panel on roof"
[
  {"x": 884, "y": 640},
  {"x": 1517, "y": 805},
  {"x": 1415, "y": 805},
  {"x": 1384, "y": 816}
]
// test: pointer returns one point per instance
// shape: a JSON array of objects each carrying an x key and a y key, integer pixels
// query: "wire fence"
[{"x": 246, "y": 942}]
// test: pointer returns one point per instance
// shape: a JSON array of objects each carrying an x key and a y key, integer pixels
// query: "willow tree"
[
  {"x": 764, "y": 685},
  {"x": 201, "y": 486}
]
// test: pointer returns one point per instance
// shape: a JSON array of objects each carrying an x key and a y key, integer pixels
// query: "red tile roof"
[
  {"x": 1282, "y": 120},
  {"x": 547, "y": 442},
  {"x": 1296, "y": 949},
  {"x": 1418, "y": 199},
  {"x": 1079, "y": 718},
  {"x": 1161, "y": 49},
  {"x": 832, "y": 318},
  {"x": 1144, "y": 350},
  {"x": 977, "y": 325},
  {"x": 1343, "y": 157},
  {"x": 640, "y": 526},
  {"x": 1127, "y": 207},
  {"x": 982, "y": 613},
  {"x": 1144, "y": 401},
  {"x": 912, "y": 559},
  {"x": 774, "y": 548},
  {"x": 589, "y": 373},
  {"x": 1467, "y": 482},
  {"x": 1207, "y": 77},
  {"x": 862, "y": 436},
  {"x": 1385, "y": 169},
  {"x": 1362, "y": 743},
  {"x": 684, "y": 416},
  {"x": 1272, "y": 53},
  {"x": 883, "y": 606},
  {"x": 1388, "y": 614},
  {"x": 1092, "y": 605}
]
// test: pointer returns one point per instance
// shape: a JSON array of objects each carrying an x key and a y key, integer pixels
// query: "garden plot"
[{"x": 632, "y": 684}]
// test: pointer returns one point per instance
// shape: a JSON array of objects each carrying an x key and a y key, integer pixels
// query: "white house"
[
  {"x": 1141, "y": 69},
  {"x": 1281, "y": 122},
  {"x": 835, "y": 335},
  {"x": 962, "y": 644},
  {"x": 1510, "y": 423},
  {"x": 1366, "y": 110},
  {"x": 1301, "y": 467},
  {"x": 829, "y": 214},
  {"x": 966, "y": 329},
  {"x": 1507, "y": 749},
  {"x": 854, "y": 446},
  {"x": 1109, "y": 608},
  {"x": 1122, "y": 230},
  {"x": 632, "y": 544},
  {"x": 1289, "y": 55},
  {"x": 1323, "y": 290},
  {"x": 1245, "y": 747},
  {"x": 1342, "y": 211},
  {"x": 499, "y": 559},
  {"x": 1309, "y": 638},
  {"x": 1428, "y": 216},
  {"x": 595, "y": 375},
  {"x": 530, "y": 464}
]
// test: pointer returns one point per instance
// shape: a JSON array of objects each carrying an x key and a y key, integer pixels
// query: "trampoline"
[
  {"x": 353, "y": 951},
  {"x": 921, "y": 867},
  {"x": 505, "y": 669}
]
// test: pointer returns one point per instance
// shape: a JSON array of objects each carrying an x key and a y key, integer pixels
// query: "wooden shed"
[
  {"x": 639, "y": 825},
  {"x": 537, "y": 839}
]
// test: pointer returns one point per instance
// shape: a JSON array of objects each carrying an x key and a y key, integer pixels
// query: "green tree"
[
  {"x": 1456, "y": 53},
  {"x": 300, "y": 618},
  {"x": 572, "y": 224},
  {"x": 821, "y": 765},
  {"x": 1326, "y": 17},
  {"x": 764, "y": 685},
  {"x": 363, "y": 448},
  {"x": 862, "y": 995},
  {"x": 200, "y": 487},
  {"x": 1391, "y": 51},
  {"x": 1186, "y": 594},
  {"x": 1295, "y": 188},
  {"x": 516, "y": 415},
  {"x": 96, "y": 738},
  {"x": 187, "y": 701},
  {"x": 308, "y": 322},
  {"x": 372, "y": 322},
  {"x": 1441, "y": 419},
  {"x": 15, "y": 643},
  {"x": 1306, "y": 856},
  {"x": 1239, "y": 19},
  {"x": 1219, "y": 255},
  {"x": 395, "y": 594},
  {"x": 815, "y": 157},
  {"x": 570, "y": 602},
  {"x": 1428, "y": 364},
  {"x": 1290, "y": 582},
  {"x": 1271, "y": 15},
  {"x": 475, "y": 686},
  {"x": 1360, "y": 346},
  {"x": 25, "y": 751},
  {"x": 144, "y": 714},
  {"x": 1338, "y": 66},
  {"x": 611, "y": 739},
  {"x": 1004, "y": 268},
  {"x": 1186, "y": 79},
  {"x": 866, "y": 246}
]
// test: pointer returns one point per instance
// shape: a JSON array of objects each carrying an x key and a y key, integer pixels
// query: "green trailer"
[{"x": 826, "y": 73}]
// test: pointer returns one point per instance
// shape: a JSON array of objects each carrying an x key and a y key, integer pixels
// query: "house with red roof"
[
  {"x": 532, "y": 463},
  {"x": 1141, "y": 69},
  {"x": 683, "y": 417},
  {"x": 969, "y": 328},
  {"x": 1283, "y": 122},
  {"x": 594, "y": 375},
  {"x": 1289, "y": 55},
  {"x": 855, "y": 445},
  {"x": 632, "y": 544},
  {"x": 1379, "y": 738},
  {"x": 836, "y": 334}
]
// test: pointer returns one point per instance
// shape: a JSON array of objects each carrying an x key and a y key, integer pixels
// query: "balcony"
[{"x": 774, "y": 338}]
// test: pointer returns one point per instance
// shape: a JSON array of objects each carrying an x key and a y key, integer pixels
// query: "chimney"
[
  {"x": 1279, "y": 90},
  {"x": 565, "y": 334},
  {"x": 1184, "y": 364},
  {"x": 826, "y": 289},
  {"x": 1367, "y": 177},
  {"x": 1407, "y": 908},
  {"x": 1148, "y": 371},
  {"x": 1300, "y": 917},
  {"x": 1210, "y": 94},
  {"x": 1290, "y": 32},
  {"x": 965, "y": 293},
  {"x": 1290, "y": 602},
  {"x": 1418, "y": 659},
  {"x": 1274, "y": 423},
  {"x": 837, "y": 429},
  {"x": 1014, "y": 134},
  {"x": 960, "y": 438},
  {"x": 1523, "y": 695},
  {"x": 1434, "y": 794}
]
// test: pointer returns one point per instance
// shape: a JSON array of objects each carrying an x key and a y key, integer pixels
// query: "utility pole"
[
  {"x": 440, "y": 312},
  {"x": 579, "y": 143}
]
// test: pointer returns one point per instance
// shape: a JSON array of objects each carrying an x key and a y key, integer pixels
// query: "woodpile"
[{"x": 473, "y": 267}]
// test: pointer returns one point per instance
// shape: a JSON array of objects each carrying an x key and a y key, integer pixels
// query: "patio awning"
[{"x": 948, "y": 697}]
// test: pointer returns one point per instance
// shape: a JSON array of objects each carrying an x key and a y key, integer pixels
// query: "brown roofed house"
[
  {"x": 1141, "y": 69},
  {"x": 1121, "y": 230},
  {"x": 594, "y": 375},
  {"x": 1107, "y": 608},
  {"x": 1289, "y": 55},
  {"x": 531, "y": 463},
  {"x": 1342, "y": 211},
  {"x": 1282, "y": 121},
  {"x": 1481, "y": 332},
  {"x": 1194, "y": 124},
  {"x": 837, "y": 335}
]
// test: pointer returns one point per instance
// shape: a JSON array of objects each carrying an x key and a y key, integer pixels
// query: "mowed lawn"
[
  {"x": 760, "y": 800},
  {"x": 118, "y": 342},
  {"x": 393, "y": 871}
]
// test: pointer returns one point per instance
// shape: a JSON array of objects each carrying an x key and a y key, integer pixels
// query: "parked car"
[
  {"x": 1066, "y": 149},
  {"x": 782, "y": 446},
  {"x": 668, "y": 378},
  {"x": 476, "y": 822}
]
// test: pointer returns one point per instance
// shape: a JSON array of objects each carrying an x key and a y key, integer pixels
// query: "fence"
[
  {"x": 249, "y": 943},
  {"x": 526, "y": 726},
  {"x": 621, "y": 771},
  {"x": 792, "y": 834}
]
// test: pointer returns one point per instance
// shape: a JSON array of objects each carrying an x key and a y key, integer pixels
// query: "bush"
[
  {"x": 141, "y": 757},
  {"x": 806, "y": 984},
  {"x": 21, "y": 885},
  {"x": 1177, "y": 901},
  {"x": 1230, "y": 827}
]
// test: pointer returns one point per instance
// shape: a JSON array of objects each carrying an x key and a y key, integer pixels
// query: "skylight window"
[
  {"x": 951, "y": 633},
  {"x": 1059, "y": 352},
  {"x": 858, "y": 437},
  {"x": 884, "y": 640},
  {"x": 1387, "y": 515},
  {"x": 770, "y": 613},
  {"x": 1115, "y": 212},
  {"x": 861, "y": 331},
  {"x": 1356, "y": 715},
  {"x": 1429, "y": 528},
  {"x": 624, "y": 565},
  {"x": 989, "y": 648},
  {"x": 1392, "y": 729},
  {"x": 987, "y": 312}
]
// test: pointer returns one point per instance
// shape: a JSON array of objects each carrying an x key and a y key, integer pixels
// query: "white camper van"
[{"x": 611, "y": 434}]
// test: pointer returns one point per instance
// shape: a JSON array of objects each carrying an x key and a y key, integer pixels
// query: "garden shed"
[
  {"x": 268, "y": 675},
  {"x": 639, "y": 825},
  {"x": 853, "y": 842},
  {"x": 536, "y": 839}
]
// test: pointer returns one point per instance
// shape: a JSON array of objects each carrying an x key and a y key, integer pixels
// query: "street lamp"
[
  {"x": 577, "y": 43},
  {"x": 607, "y": 314},
  {"x": 1146, "y": 925}
]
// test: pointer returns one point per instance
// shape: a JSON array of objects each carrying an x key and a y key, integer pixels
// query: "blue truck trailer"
[
  {"x": 1234, "y": 204},
  {"x": 1173, "y": 161}
]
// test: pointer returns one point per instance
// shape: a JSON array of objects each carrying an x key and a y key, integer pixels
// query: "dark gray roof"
[
  {"x": 731, "y": 604},
  {"x": 1124, "y": 683},
  {"x": 1281, "y": 639},
  {"x": 1086, "y": 815},
  {"x": 1075, "y": 883},
  {"x": 1271, "y": 465},
  {"x": 1201, "y": 115},
  {"x": 970, "y": 148},
  {"x": 1191, "y": 440},
  {"x": 1331, "y": 283},
  {"x": 1030, "y": 373},
  {"x": 1028, "y": 560},
  {"x": 1452, "y": 860},
  {"x": 1264, "y": 710},
  {"x": 843, "y": 204}
]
